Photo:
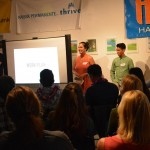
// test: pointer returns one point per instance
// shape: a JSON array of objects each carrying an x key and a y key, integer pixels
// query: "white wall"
[{"x": 100, "y": 19}]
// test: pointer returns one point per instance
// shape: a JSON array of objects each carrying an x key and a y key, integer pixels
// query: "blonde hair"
[
  {"x": 134, "y": 117},
  {"x": 131, "y": 82}
]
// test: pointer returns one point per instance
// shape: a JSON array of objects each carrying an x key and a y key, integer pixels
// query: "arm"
[
  {"x": 73, "y": 68},
  {"x": 100, "y": 144},
  {"x": 91, "y": 61},
  {"x": 131, "y": 64},
  {"x": 112, "y": 73}
]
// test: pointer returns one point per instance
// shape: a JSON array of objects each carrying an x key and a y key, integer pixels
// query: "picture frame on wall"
[
  {"x": 92, "y": 46},
  {"x": 74, "y": 46},
  {"x": 111, "y": 46},
  {"x": 131, "y": 46}
]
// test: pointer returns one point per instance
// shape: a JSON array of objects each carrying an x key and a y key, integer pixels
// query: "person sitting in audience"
[
  {"x": 101, "y": 97},
  {"x": 7, "y": 83},
  {"x": 49, "y": 93},
  {"x": 148, "y": 84},
  {"x": 70, "y": 116},
  {"x": 129, "y": 82},
  {"x": 134, "y": 124},
  {"x": 138, "y": 72},
  {"x": 24, "y": 109}
]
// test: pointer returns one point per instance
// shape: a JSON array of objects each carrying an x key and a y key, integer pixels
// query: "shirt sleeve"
[
  {"x": 112, "y": 72},
  {"x": 131, "y": 64}
]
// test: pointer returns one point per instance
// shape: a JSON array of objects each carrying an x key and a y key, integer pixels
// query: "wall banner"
[
  {"x": 137, "y": 13},
  {"x": 47, "y": 15},
  {"x": 5, "y": 7}
]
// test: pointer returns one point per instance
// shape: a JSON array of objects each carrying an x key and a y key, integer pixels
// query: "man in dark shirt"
[{"x": 101, "y": 97}]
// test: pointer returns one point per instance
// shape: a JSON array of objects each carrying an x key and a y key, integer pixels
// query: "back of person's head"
[
  {"x": 46, "y": 78},
  {"x": 134, "y": 117},
  {"x": 94, "y": 70},
  {"x": 71, "y": 106},
  {"x": 24, "y": 108},
  {"x": 85, "y": 44},
  {"x": 121, "y": 45},
  {"x": 138, "y": 72},
  {"x": 130, "y": 82},
  {"x": 7, "y": 83}
]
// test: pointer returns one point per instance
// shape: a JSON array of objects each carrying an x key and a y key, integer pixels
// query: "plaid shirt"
[{"x": 5, "y": 123}]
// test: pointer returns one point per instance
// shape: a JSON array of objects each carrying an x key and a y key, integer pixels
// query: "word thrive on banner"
[
  {"x": 47, "y": 15},
  {"x": 137, "y": 14}
]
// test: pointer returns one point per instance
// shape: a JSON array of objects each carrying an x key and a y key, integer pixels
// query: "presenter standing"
[
  {"x": 120, "y": 65},
  {"x": 80, "y": 65}
]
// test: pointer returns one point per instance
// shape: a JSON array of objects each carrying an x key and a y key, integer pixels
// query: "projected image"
[{"x": 28, "y": 62}]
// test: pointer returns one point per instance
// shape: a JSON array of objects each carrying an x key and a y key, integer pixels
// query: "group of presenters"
[{"x": 120, "y": 65}]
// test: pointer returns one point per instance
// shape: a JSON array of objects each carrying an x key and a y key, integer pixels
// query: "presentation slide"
[{"x": 26, "y": 59}]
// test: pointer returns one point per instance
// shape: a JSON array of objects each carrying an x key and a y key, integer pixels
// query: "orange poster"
[{"x": 5, "y": 9}]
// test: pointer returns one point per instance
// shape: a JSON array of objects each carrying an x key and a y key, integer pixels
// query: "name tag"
[
  {"x": 85, "y": 63},
  {"x": 122, "y": 65}
]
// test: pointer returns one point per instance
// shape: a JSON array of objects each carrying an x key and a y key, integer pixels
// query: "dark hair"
[
  {"x": 71, "y": 110},
  {"x": 24, "y": 108},
  {"x": 7, "y": 83},
  {"x": 138, "y": 72},
  {"x": 85, "y": 44},
  {"x": 94, "y": 70},
  {"x": 46, "y": 77},
  {"x": 121, "y": 45}
]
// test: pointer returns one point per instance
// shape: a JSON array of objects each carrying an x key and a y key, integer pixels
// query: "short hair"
[
  {"x": 46, "y": 77},
  {"x": 7, "y": 83},
  {"x": 94, "y": 70},
  {"x": 134, "y": 117},
  {"x": 130, "y": 82},
  {"x": 85, "y": 44},
  {"x": 121, "y": 45}
]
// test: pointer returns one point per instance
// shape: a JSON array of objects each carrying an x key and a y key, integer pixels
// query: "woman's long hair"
[
  {"x": 24, "y": 108},
  {"x": 130, "y": 82},
  {"x": 134, "y": 117},
  {"x": 70, "y": 112}
]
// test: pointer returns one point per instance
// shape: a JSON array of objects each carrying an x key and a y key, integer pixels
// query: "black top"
[
  {"x": 52, "y": 140},
  {"x": 102, "y": 93}
]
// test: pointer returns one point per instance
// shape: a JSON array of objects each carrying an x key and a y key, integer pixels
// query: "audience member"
[
  {"x": 148, "y": 83},
  {"x": 49, "y": 93},
  {"x": 71, "y": 117},
  {"x": 81, "y": 63},
  {"x": 138, "y": 72},
  {"x": 24, "y": 109},
  {"x": 7, "y": 83},
  {"x": 102, "y": 93},
  {"x": 134, "y": 122},
  {"x": 129, "y": 82},
  {"x": 1, "y": 65},
  {"x": 120, "y": 65}
]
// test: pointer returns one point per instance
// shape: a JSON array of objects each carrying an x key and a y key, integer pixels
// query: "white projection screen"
[{"x": 25, "y": 59}]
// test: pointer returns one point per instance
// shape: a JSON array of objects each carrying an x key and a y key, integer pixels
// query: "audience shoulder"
[
  {"x": 100, "y": 144},
  {"x": 57, "y": 134},
  {"x": 62, "y": 138}
]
